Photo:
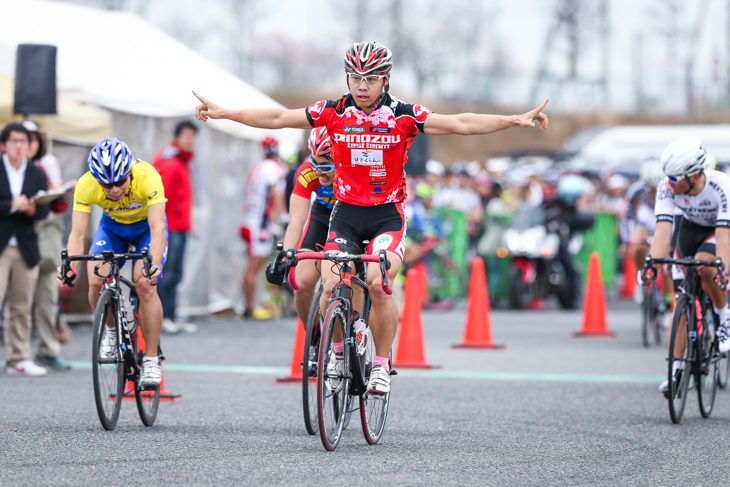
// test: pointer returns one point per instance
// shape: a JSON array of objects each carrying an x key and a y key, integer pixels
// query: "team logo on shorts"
[
  {"x": 382, "y": 242},
  {"x": 341, "y": 240},
  {"x": 100, "y": 243}
]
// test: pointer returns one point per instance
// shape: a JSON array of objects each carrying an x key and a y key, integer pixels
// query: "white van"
[{"x": 623, "y": 148}]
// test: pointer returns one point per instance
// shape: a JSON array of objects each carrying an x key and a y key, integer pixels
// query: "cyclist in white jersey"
[
  {"x": 704, "y": 229},
  {"x": 264, "y": 203}
]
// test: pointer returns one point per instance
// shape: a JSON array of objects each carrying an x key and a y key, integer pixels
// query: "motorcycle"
[{"x": 542, "y": 257}]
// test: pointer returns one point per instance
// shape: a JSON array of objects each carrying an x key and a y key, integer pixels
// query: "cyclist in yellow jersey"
[{"x": 133, "y": 199}]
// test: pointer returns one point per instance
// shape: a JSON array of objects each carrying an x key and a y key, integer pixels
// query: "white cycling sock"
[
  {"x": 151, "y": 359},
  {"x": 723, "y": 313},
  {"x": 676, "y": 365}
]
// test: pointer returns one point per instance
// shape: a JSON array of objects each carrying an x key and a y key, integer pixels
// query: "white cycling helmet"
[
  {"x": 684, "y": 157},
  {"x": 651, "y": 172}
]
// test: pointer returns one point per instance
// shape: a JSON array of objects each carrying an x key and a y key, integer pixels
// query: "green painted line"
[{"x": 430, "y": 374}]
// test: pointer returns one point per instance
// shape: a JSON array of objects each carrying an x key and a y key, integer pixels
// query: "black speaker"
[
  {"x": 418, "y": 154},
  {"x": 35, "y": 79}
]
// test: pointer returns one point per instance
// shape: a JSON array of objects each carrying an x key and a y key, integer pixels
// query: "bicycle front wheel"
[
  {"x": 309, "y": 365},
  {"x": 708, "y": 373},
  {"x": 333, "y": 383},
  {"x": 724, "y": 368},
  {"x": 373, "y": 409},
  {"x": 678, "y": 383},
  {"x": 147, "y": 400},
  {"x": 107, "y": 368}
]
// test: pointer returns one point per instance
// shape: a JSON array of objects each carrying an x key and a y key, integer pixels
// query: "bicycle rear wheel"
[
  {"x": 679, "y": 382},
  {"x": 373, "y": 409},
  {"x": 108, "y": 372},
  {"x": 148, "y": 400},
  {"x": 708, "y": 375},
  {"x": 309, "y": 365},
  {"x": 332, "y": 390}
]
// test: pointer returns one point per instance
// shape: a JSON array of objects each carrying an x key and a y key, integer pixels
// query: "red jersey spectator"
[{"x": 173, "y": 164}]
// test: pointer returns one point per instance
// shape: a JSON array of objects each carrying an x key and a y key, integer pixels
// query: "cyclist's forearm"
[
  {"x": 662, "y": 241},
  {"x": 75, "y": 246},
  {"x": 723, "y": 246},
  {"x": 77, "y": 238},
  {"x": 268, "y": 118},
  {"x": 298, "y": 211},
  {"x": 157, "y": 245}
]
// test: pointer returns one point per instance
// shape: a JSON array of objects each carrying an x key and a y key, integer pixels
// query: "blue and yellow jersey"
[{"x": 145, "y": 190}]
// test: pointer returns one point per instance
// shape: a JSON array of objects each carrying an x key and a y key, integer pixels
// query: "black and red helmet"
[
  {"x": 270, "y": 146},
  {"x": 368, "y": 59},
  {"x": 320, "y": 143}
]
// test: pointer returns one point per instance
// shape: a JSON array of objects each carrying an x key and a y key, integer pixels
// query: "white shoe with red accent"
[
  {"x": 379, "y": 383},
  {"x": 27, "y": 368}
]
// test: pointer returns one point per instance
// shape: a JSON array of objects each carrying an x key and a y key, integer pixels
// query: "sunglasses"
[
  {"x": 118, "y": 184},
  {"x": 323, "y": 168},
  {"x": 675, "y": 179},
  {"x": 369, "y": 80}
]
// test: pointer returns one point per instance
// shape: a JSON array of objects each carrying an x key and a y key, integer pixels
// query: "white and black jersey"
[{"x": 709, "y": 208}]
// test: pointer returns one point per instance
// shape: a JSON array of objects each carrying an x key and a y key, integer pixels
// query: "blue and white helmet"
[{"x": 110, "y": 161}]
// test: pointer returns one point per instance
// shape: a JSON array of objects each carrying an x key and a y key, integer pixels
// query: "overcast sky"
[{"x": 475, "y": 36}]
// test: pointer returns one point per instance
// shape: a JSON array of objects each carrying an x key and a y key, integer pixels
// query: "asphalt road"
[{"x": 548, "y": 409}]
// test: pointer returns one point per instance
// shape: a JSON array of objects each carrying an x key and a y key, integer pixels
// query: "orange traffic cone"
[
  {"x": 165, "y": 395},
  {"x": 477, "y": 332},
  {"x": 423, "y": 276},
  {"x": 594, "y": 306},
  {"x": 295, "y": 374},
  {"x": 629, "y": 287},
  {"x": 410, "y": 353}
]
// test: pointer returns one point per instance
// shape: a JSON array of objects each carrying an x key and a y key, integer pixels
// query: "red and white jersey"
[
  {"x": 259, "y": 204},
  {"x": 370, "y": 151}
]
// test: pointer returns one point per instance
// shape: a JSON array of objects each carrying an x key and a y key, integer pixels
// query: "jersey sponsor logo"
[
  {"x": 367, "y": 139},
  {"x": 154, "y": 193},
  {"x": 382, "y": 243},
  {"x": 306, "y": 177},
  {"x": 360, "y": 157},
  {"x": 354, "y": 129},
  {"x": 378, "y": 174},
  {"x": 100, "y": 243},
  {"x": 82, "y": 204},
  {"x": 380, "y": 130},
  {"x": 705, "y": 203},
  {"x": 377, "y": 190},
  {"x": 376, "y": 183}
]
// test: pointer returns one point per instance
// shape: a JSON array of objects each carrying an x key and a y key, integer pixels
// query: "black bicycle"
[
  {"x": 349, "y": 376},
  {"x": 652, "y": 309},
  {"x": 694, "y": 323},
  {"x": 112, "y": 373}
]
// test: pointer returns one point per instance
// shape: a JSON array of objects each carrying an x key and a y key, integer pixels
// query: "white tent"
[{"x": 118, "y": 62}]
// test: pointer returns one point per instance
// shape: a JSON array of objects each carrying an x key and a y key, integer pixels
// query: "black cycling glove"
[{"x": 276, "y": 272}]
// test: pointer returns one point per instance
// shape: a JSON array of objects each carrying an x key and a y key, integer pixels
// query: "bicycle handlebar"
[
  {"x": 686, "y": 261},
  {"x": 294, "y": 257},
  {"x": 104, "y": 256}
]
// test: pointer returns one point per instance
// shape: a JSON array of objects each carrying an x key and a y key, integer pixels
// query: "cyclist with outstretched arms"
[
  {"x": 703, "y": 231},
  {"x": 131, "y": 194},
  {"x": 371, "y": 132},
  {"x": 310, "y": 207}
]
